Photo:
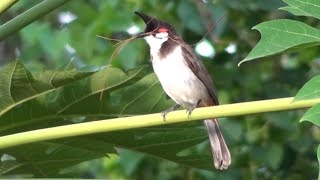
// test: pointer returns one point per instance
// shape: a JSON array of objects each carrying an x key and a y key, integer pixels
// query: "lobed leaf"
[
  {"x": 76, "y": 100},
  {"x": 280, "y": 35},
  {"x": 45, "y": 159},
  {"x": 124, "y": 94},
  {"x": 17, "y": 85}
]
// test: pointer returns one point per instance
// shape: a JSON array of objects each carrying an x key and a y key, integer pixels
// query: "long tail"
[{"x": 220, "y": 151}]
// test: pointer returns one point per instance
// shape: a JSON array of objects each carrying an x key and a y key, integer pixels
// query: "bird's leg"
[
  {"x": 164, "y": 113},
  {"x": 189, "y": 110}
]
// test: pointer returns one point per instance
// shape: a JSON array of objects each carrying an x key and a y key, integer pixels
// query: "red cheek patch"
[{"x": 162, "y": 30}]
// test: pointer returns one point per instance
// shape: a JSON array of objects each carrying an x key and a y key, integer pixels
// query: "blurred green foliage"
[{"x": 263, "y": 146}]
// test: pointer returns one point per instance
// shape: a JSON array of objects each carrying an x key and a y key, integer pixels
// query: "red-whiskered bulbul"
[{"x": 184, "y": 78}]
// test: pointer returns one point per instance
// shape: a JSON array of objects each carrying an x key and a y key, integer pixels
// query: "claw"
[
  {"x": 164, "y": 113},
  {"x": 189, "y": 111}
]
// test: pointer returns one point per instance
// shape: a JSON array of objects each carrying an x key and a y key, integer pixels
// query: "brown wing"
[{"x": 195, "y": 64}]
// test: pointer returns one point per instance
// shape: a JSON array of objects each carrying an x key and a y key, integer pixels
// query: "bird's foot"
[
  {"x": 164, "y": 113},
  {"x": 189, "y": 110}
]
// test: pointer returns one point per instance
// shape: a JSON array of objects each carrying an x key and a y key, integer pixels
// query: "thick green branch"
[
  {"x": 29, "y": 16},
  {"x": 109, "y": 125}
]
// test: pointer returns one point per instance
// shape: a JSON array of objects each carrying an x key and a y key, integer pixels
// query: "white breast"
[{"x": 177, "y": 79}]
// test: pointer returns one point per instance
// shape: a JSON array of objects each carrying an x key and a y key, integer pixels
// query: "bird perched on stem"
[{"x": 184, "y": 79}]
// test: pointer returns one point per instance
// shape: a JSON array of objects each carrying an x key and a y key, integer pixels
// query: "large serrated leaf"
[
  {"x": 303, "y": 7},
  {"x": 45, "y": 159},
  {"x": 17, "y": 85},
  {"x": 124, "y": 94},
  {"x": 163, "y": 142},
  {"x": 310, "y": 90},
  {"x": 280, "y": 35},
  {"x": 76, "y": 100},
  {"x": 7, "y": 166}
]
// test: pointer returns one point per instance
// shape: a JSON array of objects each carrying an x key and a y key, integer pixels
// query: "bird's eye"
[{"x": 161, "y": 35}]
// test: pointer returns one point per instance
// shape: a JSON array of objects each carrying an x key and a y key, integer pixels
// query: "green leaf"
[
  {"x": 125, "y": 94},
  {"x": 130, "y": 160},
  {"x": 310, "y": 90},
  {"x": 312, "y": 115},
  {"x": 45, "y": 159},
  {"x": 71, "y": 101},
  {"x": 295, "y": 11},
  {"x": 48, "y": 158},
  {"x": 17, "y": 85},
  {"x": 280, "y": 35},
  {"x": 166, "y": 142},
  {"x": 306, "y": 7},
  {"x": 8, "y": 165}
]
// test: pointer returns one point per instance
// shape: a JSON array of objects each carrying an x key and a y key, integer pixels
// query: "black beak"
[{"x": 141, "y": 35}]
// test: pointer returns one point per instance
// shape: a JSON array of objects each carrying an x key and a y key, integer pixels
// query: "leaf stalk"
[{"x": 116, "y": 124}]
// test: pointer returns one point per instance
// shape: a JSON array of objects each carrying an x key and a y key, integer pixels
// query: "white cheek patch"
[{"x": 161, "y": 35}]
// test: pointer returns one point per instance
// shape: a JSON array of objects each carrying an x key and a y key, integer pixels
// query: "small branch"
[
  {"x": 116, "y": 124},
  {"x": 29, "y": 16}
]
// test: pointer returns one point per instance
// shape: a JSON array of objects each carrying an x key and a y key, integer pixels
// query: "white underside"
[{"x": 177, "y": 79}]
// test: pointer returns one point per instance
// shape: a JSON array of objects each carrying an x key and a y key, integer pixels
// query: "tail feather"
[{"x": 220, "y": 151}]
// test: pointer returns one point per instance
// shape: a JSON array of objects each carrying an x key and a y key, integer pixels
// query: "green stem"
[
  {"x": 5, "y": 4},
  {"x": 29, "y": 16},
  {"x": 116, "y": 124}
]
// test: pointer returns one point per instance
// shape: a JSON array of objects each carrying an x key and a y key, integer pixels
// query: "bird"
[{"x": 184, "y": 79}]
